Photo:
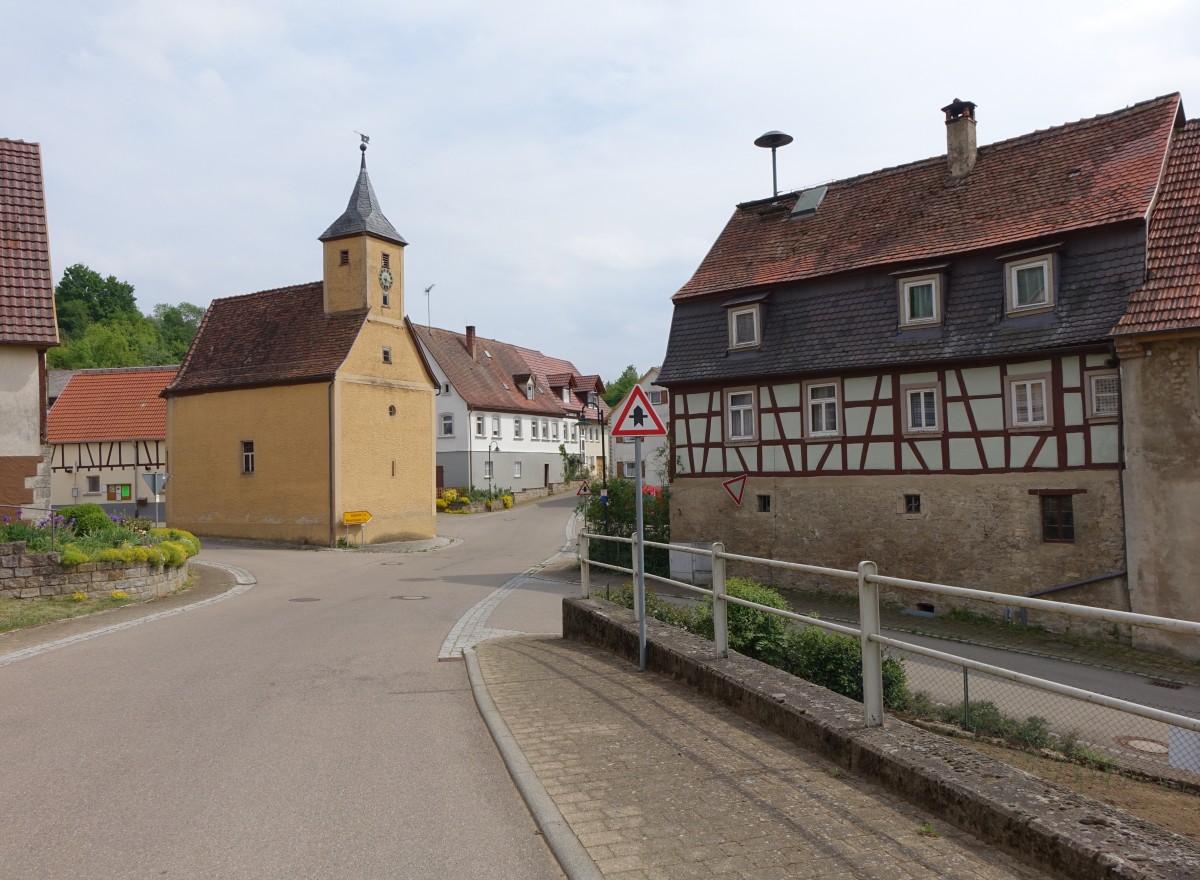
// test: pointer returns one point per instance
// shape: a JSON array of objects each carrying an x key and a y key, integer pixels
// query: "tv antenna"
[{"x": 428, "y": 320}]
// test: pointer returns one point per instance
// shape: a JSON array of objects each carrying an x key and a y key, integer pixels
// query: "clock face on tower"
[{"x": 385, "y": 278}]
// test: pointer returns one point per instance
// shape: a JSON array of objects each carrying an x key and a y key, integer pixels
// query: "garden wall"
[{"x": 29, "y": 575}]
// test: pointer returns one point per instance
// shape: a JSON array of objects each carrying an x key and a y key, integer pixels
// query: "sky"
[{"x": 559, "y": 170}]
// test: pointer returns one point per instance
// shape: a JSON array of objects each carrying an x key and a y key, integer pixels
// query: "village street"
[{"x": 303, "y": 728}]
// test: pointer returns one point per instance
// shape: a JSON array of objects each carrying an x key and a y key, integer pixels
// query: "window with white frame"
[
  {"x": 1027, "y": 402},
  {"x": 387, "y": 355},
  {"x": 529, "y": 389},
  {"x": 517, "y": 428},
  {"x": 554, "y": 429},
  {"x": 921, "y": 410},
  {"x": 822, "y": 405},
  {"x": 247, "y": 456},
  {"x": 545, "y": 429},
  {"x": 93, "y": 485},
  {"x": 566, "y": 395},
  {"x": 487, "y": 469},
  {"x": 921, "y": 301},
  {"x": 533, "y": 429},
  {"x": 743, "y": 327},
  {"x": 574, "y": 433},
  {"x": 447, "y": 424},
  {"x": 516, "y": 470},
  {"x": 1030, "y": 284},
  {"x": 739, "y": 416},
  {"x": 495, "y": 426},
  {"x": 658, "y": 398},
  {"x": 479, "y": 426},
  {"x": 1104, "y": 395}
]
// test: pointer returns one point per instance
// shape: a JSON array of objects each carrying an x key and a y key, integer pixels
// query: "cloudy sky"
[{"x": 558, "y": 169}]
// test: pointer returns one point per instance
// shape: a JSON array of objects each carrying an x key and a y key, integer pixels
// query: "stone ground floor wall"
[
  {"x": 30, "y": 575},
  {"x": 977, "y": 531}
]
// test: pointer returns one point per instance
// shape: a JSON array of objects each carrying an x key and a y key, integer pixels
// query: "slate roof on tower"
[
  {"x": 362, "y": 214},
  {"x": 26, "y": 286}
]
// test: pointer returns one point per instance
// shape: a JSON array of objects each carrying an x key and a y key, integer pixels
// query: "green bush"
[
  {"x": 668, "y": 612},
  {"x": 757, "y": 634},
  {"x": 173, "y": 552},
  {"x": 72, "y": 555},
  {"x": 834, "y": 661},
  {"x": 89, "y": 519}
]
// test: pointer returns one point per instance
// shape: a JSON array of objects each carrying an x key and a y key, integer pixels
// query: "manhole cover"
[
  {"x": 1165, "y": 683},
  {"x": 1147, "y": 746},
  {"x": 410, "y": 598},
  {"x": 305, "y": 599}
]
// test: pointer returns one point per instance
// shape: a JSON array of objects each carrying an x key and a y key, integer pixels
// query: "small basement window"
[
  {"x": 912, "y": 503},
  {"x": 764, "y": 503}
]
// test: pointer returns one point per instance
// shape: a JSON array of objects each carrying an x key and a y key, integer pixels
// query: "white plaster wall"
[{"x": 20, "y": 401}]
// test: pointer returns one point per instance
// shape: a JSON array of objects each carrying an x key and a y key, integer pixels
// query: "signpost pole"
[{"x": 641, "y": 552}]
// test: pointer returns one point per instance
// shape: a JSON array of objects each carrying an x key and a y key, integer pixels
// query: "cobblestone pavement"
[{"x": 658, "y": 782}]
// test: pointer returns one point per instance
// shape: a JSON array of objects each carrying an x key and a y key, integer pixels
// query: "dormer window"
[
  {"x": 566, "y": 395},
  {"x": 1029, "y": 285},
  {"x": 529, "y": 390},
  {"x": 744, "y": 327},
  {"x": 921, "y": 301}
]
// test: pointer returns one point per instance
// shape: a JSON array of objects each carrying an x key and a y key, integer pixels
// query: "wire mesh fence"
[{"x": 1062, "y": 726}]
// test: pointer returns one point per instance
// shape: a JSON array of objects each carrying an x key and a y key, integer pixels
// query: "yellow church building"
[{"x": 301, "y": 409}]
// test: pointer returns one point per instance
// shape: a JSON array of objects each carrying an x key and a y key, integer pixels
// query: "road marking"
[
  {"x": 244, "y": 581},
  {"x": 472, "y": 627}
]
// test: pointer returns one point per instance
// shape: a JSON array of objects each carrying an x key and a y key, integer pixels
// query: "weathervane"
[{"x": 365, "y": 140}]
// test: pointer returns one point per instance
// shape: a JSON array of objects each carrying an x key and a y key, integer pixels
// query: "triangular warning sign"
[
  {"x": 735, "y": 488},
  {"x": 638, "y": 418},
  {"x": 584, "y": 490}
]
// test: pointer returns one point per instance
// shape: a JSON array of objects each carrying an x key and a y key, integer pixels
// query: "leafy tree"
[
  {"x": 104, "y": 298},
  {"x": 177, "y": 326},
  {"x": 615, "y": 391}
]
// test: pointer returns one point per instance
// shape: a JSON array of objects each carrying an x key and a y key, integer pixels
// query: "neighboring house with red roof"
[
  {"x": 28, "y": 328},
  {"x": 917, "y": 366},
  {"x": 300, "y": 408},
  {"x": 503, "y": 411},
  {"x": 655, "y": 454},
  {"x": 108, "y": 431}
]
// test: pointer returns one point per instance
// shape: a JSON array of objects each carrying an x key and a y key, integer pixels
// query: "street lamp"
[{"x": 493, "y": 445}]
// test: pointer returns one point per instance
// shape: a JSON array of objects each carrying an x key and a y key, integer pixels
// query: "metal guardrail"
[{"x": 869, "y": 581}]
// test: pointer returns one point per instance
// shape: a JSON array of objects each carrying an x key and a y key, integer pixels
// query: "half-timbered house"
[
  {"x": 108, "y": 433},
  {"x": 300, "y": 409},
  {"x": 917, "y": 365},
  {"x": 504, "y": 411},
  {"x": 28, "y": 328}
]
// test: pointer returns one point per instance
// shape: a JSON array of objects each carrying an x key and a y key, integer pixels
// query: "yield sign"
[
  {"x": 638, "y": 418},
  {"x": 735, "y": 488},
  {"x": 584, "y": 490}
]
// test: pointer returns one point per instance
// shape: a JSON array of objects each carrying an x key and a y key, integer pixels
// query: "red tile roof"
[
  {"x": 273, "y": 337},
  {"x": 26, "y": 285},
  {"x": 1084, "y": 174},
  {"x": 1170, "y": 298},
  {"x": 112, "y": 405}
]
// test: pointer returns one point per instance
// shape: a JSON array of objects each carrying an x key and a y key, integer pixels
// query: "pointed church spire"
[{"x": 362, "y": 215}]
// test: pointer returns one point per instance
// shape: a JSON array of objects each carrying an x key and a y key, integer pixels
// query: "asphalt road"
[{"x": 302, "y": 729}]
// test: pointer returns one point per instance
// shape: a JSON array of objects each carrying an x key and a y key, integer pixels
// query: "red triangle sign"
[
  {"x": 638, "y": 418},
  {"x": 735, "y": 488}
]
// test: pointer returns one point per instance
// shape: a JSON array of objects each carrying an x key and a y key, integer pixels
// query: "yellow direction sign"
[{"x": 356, "y": 517}]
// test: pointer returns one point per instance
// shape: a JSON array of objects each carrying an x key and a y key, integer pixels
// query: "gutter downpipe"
[{"x": 332, "y": 462}]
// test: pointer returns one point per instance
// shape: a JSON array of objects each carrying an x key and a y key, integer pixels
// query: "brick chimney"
[
  {"x": 961, "y": 151},
  {"x": 471, "y": 341}
]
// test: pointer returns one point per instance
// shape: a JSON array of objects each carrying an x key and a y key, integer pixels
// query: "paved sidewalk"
[{"x": 658, "y": 782}]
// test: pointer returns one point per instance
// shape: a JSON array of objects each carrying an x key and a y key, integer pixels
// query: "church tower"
[{"x": 364, "y": 255}]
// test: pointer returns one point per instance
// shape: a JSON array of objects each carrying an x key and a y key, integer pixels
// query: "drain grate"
[
  {"x": 1143, "y": 745},
  {"x": 305, "y": 599},
  {"x": 1166, "y": 683},
  {"x": 410, "y": 598}
]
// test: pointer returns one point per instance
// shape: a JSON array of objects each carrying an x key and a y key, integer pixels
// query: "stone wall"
[
  {"x": 30, "y": 575},
  {"x": 979, "y": 531}
]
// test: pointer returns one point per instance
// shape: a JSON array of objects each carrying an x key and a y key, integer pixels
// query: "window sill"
[
  {"x": 748, "y": 441},
  {"x": 1029, "y": 429},
  {"x": 1029, "y": 310},
  {"x": 931, "y": 434},
  {"x": 1103, "y": 420}
]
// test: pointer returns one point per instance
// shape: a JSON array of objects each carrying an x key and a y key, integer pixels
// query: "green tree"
[
  {"x": 103, "y": 298},
  {"x": 177, "y": 326},
  {"x": 615, "y": 391}
]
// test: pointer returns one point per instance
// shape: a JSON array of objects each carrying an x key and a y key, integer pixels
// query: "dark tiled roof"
[
  {"x": 272, "y": 337},
  {"x": 1077, "y": 176},
  {"x": 493, "y": 378},
  {"x": 363, "y": 214},
  {"x": 122, "y": 404},
  {"x": 1170, "y": 299},
  {"x": 26, "y": 284}
]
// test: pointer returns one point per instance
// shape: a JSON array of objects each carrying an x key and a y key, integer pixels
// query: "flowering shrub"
[
  {"x": 114, "y": 540},
  {"x": 118, "y": 594},
  {"x": 79, "y": 596},
  {"x": 508, "y": 501}
]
